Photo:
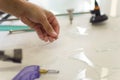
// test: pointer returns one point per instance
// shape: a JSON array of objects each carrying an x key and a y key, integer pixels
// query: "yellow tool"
[{"x": 44, "y": 71}]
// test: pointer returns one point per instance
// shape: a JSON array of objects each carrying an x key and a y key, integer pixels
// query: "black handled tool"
[
  {"x": 17, "y": 58},
  {"x": 97, "y": 17}
]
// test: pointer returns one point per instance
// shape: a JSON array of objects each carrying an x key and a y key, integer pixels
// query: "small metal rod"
[
  {"x": 8, "y": 19},
  {"x": 23, "y": 30},
  {"x": 70, "y": 13}
]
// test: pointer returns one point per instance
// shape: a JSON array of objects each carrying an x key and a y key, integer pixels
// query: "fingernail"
[{"x": 54, "y": 33}]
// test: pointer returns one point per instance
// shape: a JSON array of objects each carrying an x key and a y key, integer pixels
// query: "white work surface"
[{"x": 82, "y": 51}]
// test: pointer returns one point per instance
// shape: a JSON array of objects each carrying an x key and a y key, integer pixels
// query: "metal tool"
[
  {"x": 9, "y": 19},
  {"x": 5, "y": 18},
  {"x": 17, "y": 58},
  {"x": 97, "y": 17},
  {"x": 70, "y": 13},
  {"x": 17, "y": 31}
]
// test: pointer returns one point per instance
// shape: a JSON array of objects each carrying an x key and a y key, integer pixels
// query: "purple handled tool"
[
  {"x": 28, "y": 73},
  {"x": 32, "y": 72}
]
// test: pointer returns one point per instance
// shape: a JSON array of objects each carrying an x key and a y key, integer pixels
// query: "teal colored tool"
[{"x": 15, "y": 28}]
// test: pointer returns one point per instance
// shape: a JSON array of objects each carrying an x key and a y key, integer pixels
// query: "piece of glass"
[{"x": 61, "y": 6}]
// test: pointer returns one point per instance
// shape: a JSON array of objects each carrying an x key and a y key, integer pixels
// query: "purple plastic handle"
[{"x": 28, "y": 73}]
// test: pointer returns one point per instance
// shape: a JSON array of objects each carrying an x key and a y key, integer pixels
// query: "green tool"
[
  {"x": 15, "y": 28},
  {"x": 12, "y": 27}
]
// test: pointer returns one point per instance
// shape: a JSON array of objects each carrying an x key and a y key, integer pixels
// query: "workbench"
[{"x": 82, "y": 52}]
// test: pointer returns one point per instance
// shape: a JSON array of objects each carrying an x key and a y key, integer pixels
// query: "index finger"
[{"x": 54, "y": 23}]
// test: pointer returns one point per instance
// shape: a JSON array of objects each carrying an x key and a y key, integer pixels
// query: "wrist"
[
  {"x": 14, "y": 7},
  {"x": 20, "y": 8}
]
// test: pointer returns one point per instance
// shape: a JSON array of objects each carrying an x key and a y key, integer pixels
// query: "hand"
[{"x": 42, "y": 21}]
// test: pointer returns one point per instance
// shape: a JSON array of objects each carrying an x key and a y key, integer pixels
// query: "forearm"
[{"x": 14, "y": 7}]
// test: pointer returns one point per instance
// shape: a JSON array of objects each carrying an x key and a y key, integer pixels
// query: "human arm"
[{"x": 41, "y": 20}]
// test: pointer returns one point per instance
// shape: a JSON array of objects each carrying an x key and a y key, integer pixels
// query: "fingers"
[
  {"x": 49, "y": 29},
  {"x": 53, "y": 21},
  {"x": 34, "y": 26},
  {"x": 39, "y": 29},
  {"x": 47, "y": 37},
  {"x": 55, "y": 26},
  {"x": 51, "y": 39}
]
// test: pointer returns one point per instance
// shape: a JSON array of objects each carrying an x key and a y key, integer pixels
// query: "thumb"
[{"x": 48, "y": 28}]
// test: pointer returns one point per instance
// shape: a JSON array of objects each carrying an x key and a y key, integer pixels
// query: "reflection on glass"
[
  {"x": 104, "y": 73},
  {"x": 82, "y": 75},
  {"x": 92, "y": 71},
  {"x": 82, "y": 31},
  {"x": 60, "y": 6},
  {"x": 81, "y": 56},
  {"x": 113, "y": 11}
]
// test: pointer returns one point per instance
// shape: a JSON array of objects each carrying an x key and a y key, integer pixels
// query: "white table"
[{"x": 82, "y": 52}]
